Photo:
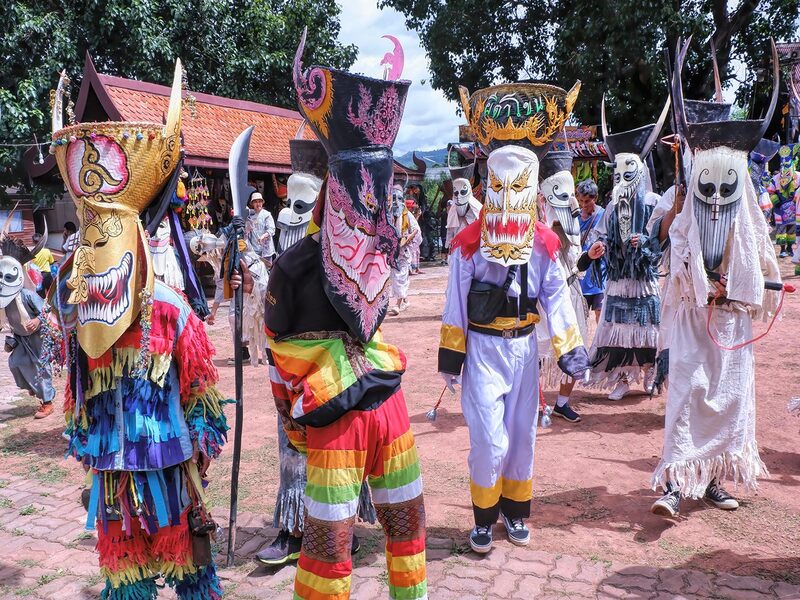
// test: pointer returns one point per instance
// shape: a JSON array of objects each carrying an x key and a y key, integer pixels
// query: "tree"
[
  {"x": 240, "y": 49},
  {"x": 612, "y": 47}
]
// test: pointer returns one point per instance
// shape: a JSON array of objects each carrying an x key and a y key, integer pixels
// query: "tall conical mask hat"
[
  {"x": 113, "y": 171},
  {"x": 515, "y": 124},
  {"x": 719, "y": 173},
  {"x": 357, "y": 119}
]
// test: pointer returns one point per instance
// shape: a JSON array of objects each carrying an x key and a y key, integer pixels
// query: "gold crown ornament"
[
  {"x": 524, "y": 114},
  {"x": 113, "y": 171}
]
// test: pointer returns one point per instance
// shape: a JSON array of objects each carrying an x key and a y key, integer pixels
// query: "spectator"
[
  {"x": 43, "y": 260},
  {"x": 594, "y": 282},
  {"x": 71, "y": 240},
  {"x": 261, "y": 228}
]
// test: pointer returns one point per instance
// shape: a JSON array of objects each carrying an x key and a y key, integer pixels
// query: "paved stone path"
[{"x": 45, "y": 553}]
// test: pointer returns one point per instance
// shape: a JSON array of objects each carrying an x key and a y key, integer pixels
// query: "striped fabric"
[
  {"x": 377, "y": 444},
  {"x": 319, "y": 371}
]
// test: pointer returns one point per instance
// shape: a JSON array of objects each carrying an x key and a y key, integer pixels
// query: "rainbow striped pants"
[{"x": 377, "y": 445}]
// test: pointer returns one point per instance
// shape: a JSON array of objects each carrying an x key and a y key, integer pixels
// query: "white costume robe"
[{"x": 709, "y": 431}]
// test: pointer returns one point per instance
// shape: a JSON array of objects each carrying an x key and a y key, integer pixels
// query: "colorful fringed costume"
[
  {"x": 141, "y": 405},
  {"x": 335, "y": 382},
  {"x": 784, "y": 191}
]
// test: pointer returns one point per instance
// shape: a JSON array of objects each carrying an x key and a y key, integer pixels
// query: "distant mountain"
[{"x": 432, "y": 157}]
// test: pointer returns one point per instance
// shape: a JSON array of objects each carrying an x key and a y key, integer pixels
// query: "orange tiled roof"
[{"x": 209, "y": 135}]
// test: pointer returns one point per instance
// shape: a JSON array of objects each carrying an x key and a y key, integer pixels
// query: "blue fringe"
[
  {"x": 146, "y": 589},
  {"x": 641, "y": 311},
  {"x": 210, "y": 431},
  {"x": 625, "y": 261},
  {"x": 198, "y": 586}
]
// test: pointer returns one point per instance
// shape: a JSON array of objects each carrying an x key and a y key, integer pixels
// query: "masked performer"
[
  {"x": 626, "y": 339},
  {"x": 784, "y": 190},
  {"x": 309, "y": 166},
  {"x": 558, "y": 209},
  {"x": 336, "y": 382},
  {"x": 209, "y": 248},
  {"x": 758, "y": 167},
  {"x": 142, "y": 407},
  {"x": 465, "y": 208},
  {"x": 670, "y": 204},
  {"x": 500, "y": 267},
  {"x": 165, "y": 264},
  {"x": 721, "y": 258},
  {"x": 20, "y": 310},
  {"x": 410, "y": 236}
]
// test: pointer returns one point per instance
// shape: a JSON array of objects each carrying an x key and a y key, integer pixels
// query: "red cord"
[{"x": 786, "y": 288}]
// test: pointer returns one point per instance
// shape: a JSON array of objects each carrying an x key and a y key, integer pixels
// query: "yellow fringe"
[
  {"x": 105, "y": 378},
  {"x": 211, "y": 400},
  {"x": 131, "y": 575}
]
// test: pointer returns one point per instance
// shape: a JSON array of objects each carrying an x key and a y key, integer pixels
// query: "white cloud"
[{"x": 429, "y": 120}]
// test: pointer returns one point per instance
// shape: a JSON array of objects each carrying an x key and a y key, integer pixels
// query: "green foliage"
[
  {"x": 240, "y": 49},
  {"x": 613, "y": 47}
]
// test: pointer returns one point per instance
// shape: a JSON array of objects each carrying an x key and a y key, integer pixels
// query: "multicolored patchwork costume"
[
  {"x": 784, "y": 191},
  {"x": 141, "y": 405},
  {"x": 507, "y": 250},
  {"x": 335, "y": 382}
]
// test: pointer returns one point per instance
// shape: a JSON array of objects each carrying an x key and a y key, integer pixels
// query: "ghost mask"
[
  {"x": 560, "y": 205},
  {"x": 717, "y": 186},
  {"x": 509, "y": 213},
  {"x": 12, "y": 278},
  {"x": 462, "y": 192}
]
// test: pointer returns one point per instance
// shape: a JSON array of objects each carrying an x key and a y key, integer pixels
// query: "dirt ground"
[{"x": 591, "y": 483}]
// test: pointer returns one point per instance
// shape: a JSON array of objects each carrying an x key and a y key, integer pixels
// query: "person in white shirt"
[{"x": 261, "y": 229}]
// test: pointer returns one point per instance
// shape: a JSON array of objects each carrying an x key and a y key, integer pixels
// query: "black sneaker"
[
  {"x": 355, "y": 545},
  {"x": 518, "y": 533},
  {"x": 566, "y": 412},
  {"x": 286, "y": 547},
  {"x": 720, "y": 498},
  {"x": 480, "y": 539},
  {"x": 669, "y": 505}
]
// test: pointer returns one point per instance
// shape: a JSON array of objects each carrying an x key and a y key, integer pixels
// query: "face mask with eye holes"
[{"x": 718, "y": 181}]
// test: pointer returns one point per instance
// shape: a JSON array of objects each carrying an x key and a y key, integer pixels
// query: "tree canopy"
[
  {"x": 612, "y": 47},
  {"x": 235, "y": 48}
]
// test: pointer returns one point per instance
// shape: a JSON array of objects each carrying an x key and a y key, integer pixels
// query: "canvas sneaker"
[
  {"x": 286, "y": 547},
  {"x": 618, "y": 392},
  {"x": 480, "y": 539},
  {"x": 720, "y": 498},
  {"x": 566, "y": 412},
  {"x": 669, "y": 505},
  {"x": 518, "y": 533}
]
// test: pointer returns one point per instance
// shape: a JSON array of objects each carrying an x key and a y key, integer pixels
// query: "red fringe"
[
  {"x": 469, "y": 240},
  {"x": 162, "y": 330},
  {"x": 118, "y": 550},
  {"x": 69, "y": 401},
  {"x": 173, "y": 543},
  {"x": 194, "y": 353}
]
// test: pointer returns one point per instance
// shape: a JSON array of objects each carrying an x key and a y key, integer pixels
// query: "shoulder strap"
[{"x": 512, "y": 273}]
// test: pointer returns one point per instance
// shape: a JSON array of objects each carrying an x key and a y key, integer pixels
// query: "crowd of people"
[{"x": 672, "y": 283}]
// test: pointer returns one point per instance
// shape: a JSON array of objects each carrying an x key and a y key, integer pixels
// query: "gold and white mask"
[
  {"x": 113, "y": 171},
  {"x": 509, "y": 213}
]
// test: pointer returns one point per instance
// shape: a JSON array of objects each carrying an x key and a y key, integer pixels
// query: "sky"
[{"x": 429, "y": 120}]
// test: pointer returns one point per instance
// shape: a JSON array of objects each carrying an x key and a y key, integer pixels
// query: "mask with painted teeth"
[
  {"x": 509, "y": 213},
  {"x": 113, "y": 171}
]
